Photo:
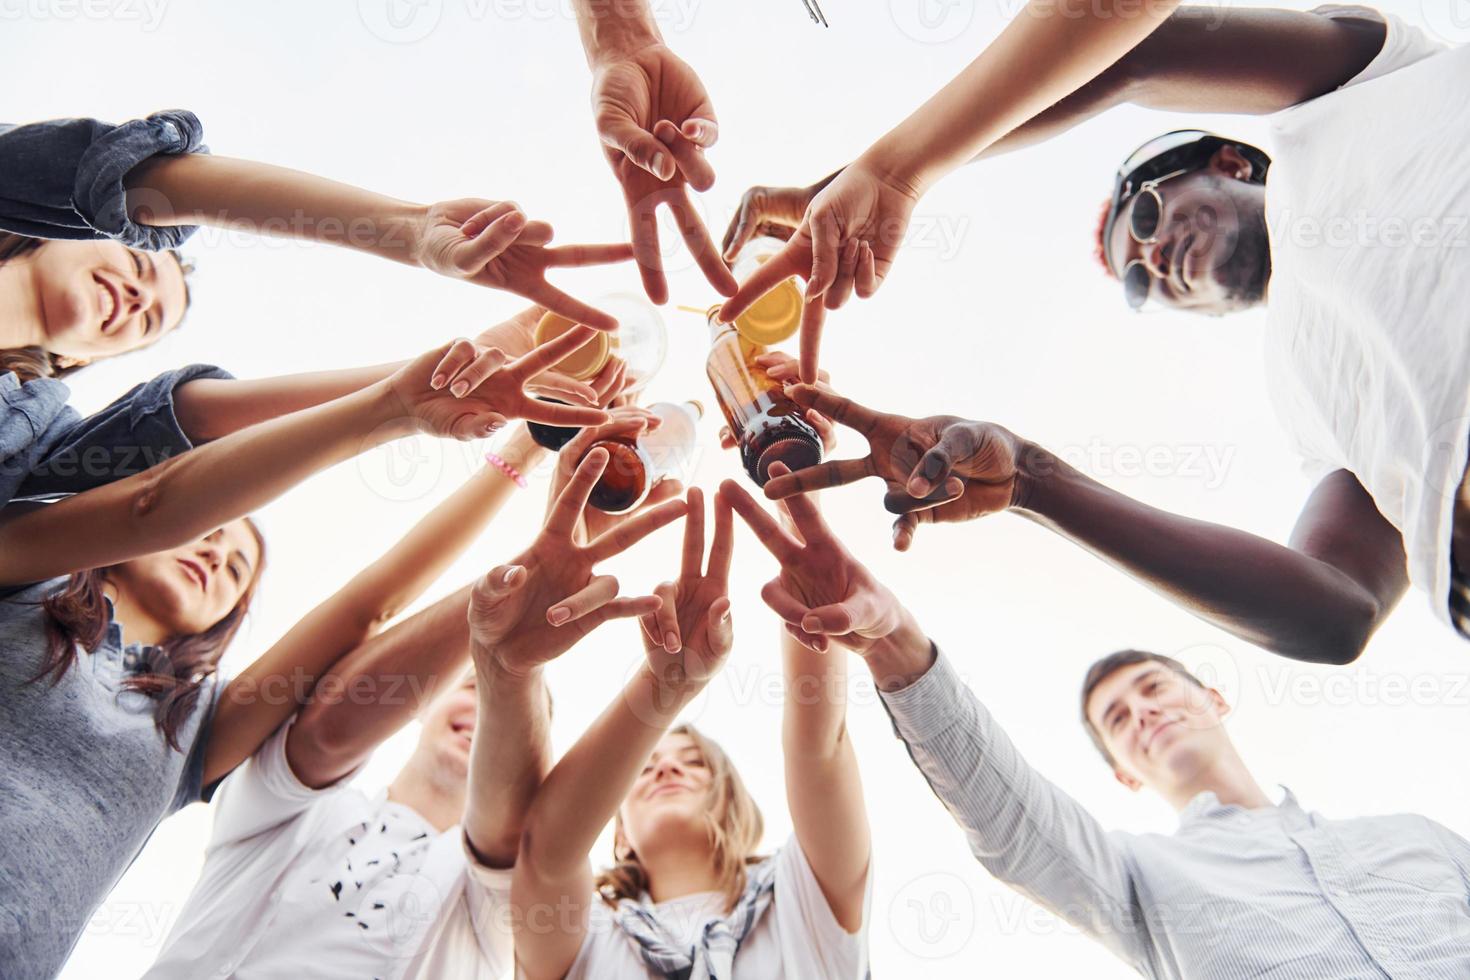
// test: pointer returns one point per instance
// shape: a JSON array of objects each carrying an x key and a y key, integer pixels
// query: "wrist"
[
  {"x": 400, "y": 232},
  {"x": 901, "y": 657},
  {"x": 616, "y": 31},
  {"x": 671, "y": 688},
  {"x": 1037, "y": 469},
  {"x": 494, "y": 670},
  {"x": 389, "y": 415},
  {"x": 520, "y": 450},
  {"x": 897, "y": 162}
]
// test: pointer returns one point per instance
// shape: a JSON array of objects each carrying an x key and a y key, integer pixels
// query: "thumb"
[
  {"x": 721, "y": 626},
  {"x": 640, "y": 146},
  {"x": 504, "y": 579}
]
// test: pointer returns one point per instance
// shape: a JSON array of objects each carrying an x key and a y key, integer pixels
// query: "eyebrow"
[{"x": 1139, "y": 679}]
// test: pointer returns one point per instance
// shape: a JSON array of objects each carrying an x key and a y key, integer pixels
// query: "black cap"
[{"x": 795, "y": 452}]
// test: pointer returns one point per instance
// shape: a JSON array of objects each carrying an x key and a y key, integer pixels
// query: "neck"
[
  {"x": 416, "y": 788},
  {"x": 137, "y": 625},
  {"x": 675, "y": 871},
  {"x": 1226, "y": 777},
  {"x": 20, "y": 311}
]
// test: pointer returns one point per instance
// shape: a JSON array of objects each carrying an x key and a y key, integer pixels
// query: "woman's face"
[
  {"x": 671, "y": 794},
  {"x": 187, "y": 590},
  {"x": 98, "y": 299}
]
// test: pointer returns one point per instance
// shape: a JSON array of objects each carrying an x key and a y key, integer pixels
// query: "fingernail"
[
  {"x": 515, "y": 219},
  {"x": 671, "y": 642},
  {"x": 510, "y": 573},
  {"x": 811, "y": 624},
  {"x": 919, "y": 487},
  {"x": 558, "y": 615},
  {"x": 658, "y": 165},
  {"x": 437, "y": 381},
  {"x": 459, "y": 388}
]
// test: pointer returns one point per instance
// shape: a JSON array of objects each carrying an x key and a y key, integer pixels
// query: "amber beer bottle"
[
  {"x": 635, "y": 466},
  {"x": 767, "y": 425}
]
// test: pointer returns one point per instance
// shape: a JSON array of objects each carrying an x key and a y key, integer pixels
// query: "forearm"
[
  {"x": 377, "y": 689},
  {"x": 190, "y": 495},
  {"x": 211, "y": 408},
  {"x": 374, "y": 597},
  {"x": 265, "y": 199},
  {"x": 1023, "y": 829},
  {"x": 1263, "y": 592},
  {"x": 511, "y": 757},
  {"x": 1038, "y": 60},
  {"x": 583, "y": 791},
  {"x": 614, "y": 28}
]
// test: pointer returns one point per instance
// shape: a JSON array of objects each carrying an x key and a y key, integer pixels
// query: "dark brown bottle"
[
  {"x": 767, "y": 425},
  {"x": 551, "y": 437},
  {"x": 636, "y": 466}
]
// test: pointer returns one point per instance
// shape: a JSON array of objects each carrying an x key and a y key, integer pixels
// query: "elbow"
[
  {"x": 537, "y": 856},
  {"x": 1338, "y": 640}
]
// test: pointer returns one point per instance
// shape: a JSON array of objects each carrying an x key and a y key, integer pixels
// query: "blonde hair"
[{"x": 732, "y": 819}]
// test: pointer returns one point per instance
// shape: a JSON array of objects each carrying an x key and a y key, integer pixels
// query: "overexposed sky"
[{"x": 995, "y": 310}]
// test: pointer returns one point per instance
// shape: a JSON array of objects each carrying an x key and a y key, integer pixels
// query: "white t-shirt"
[
  {"x": 797, "y": 938},
  {"x": 332, "y": 884},
  {"x": 1368, "y": 343}
]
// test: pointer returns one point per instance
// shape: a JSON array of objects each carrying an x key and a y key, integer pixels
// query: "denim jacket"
[
  {"x": 47, "y": 449},
  {"x": 64, "y": 178}
]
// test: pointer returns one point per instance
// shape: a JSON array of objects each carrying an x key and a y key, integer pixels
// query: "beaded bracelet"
[{"x": 507, "y": 469}]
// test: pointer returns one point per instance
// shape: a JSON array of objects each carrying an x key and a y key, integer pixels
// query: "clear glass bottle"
[
  {"x": 767, "y": 425},
  {"x": 636, "y": 466},
  {"x": 776, "y": 316},
  {"x": 641, "y": 341}
]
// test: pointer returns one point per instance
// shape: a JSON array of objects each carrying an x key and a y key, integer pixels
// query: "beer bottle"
[
  {"x": 767, "y": 425},
  {"x": 636, "y": 465}
]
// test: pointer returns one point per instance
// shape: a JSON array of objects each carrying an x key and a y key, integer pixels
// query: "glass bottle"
[
  {"x": 776, "y": 315},
  {"x": 636, "y": 465},
  {"x": 767, "y": 425},
  {"x": 641, "y": 341}
]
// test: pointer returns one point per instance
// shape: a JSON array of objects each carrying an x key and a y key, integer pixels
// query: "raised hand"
[
  {"x": 847, "y": 240},
  {"x": 491, "y": 243},
  {"x": 822, "y": 591},
  {"x": 940, "y": 468},
  {"x": 772, "y": 212},
  {"x": 655, "y": 121},
  {"x": 533, "y": 609},
  {"x": 689, "y": 636},
  {"x": 630, "y": 421},
  {"x": 466, "y": 392}
]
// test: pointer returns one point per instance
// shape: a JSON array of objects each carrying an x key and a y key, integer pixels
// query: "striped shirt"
[{"x": 1278, "y": 892}]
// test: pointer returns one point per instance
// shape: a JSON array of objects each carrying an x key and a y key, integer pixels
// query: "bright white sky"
[{"x": 995, "y": 311}]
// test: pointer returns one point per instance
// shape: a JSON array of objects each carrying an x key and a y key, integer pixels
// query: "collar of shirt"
[{"x": 1207, "y": 806}]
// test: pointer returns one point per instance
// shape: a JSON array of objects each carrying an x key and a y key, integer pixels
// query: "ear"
[
  {"x": 1222, "y": 707},
  {"x": 1229, "y": 161},
  {"x": 1132, "y": 783}
]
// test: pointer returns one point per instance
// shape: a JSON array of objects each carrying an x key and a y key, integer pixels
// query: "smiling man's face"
[
  {"x": 1211, "y": 253},
  {"x": 1160, "y": 728}
]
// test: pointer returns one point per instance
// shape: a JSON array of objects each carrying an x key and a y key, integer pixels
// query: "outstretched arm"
[
  {"x": 192, "y": 494},
  {"x": 583, "y": 791},
  {"x": 246, "y": 717},
  {"x": 1320, "y": 599}
]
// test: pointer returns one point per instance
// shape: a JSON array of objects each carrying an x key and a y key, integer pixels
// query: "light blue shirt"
[{"x": 1278, "y": 892}]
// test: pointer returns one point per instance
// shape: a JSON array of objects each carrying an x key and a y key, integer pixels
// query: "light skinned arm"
[
  {"x": 193, "y": 494},
  {"x": 584, "y": 789},
  {"x": 245, "y": 718},
  {"x": 490, "y": 243},
  {"x": 208, "y": 408},
  {"x": 1319, "y": 599},
  {"x": 1244, "y": 61}
]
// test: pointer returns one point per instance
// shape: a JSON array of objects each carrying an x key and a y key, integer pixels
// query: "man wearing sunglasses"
[{"x": 1353, "y": 236}]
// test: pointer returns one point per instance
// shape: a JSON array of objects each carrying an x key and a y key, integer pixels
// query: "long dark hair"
[
  {"x": 77, "y": 616},
  {"x": 30, "y": 363}
]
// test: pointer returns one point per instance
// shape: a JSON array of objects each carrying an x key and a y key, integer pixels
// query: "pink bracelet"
[{"x": 507, "y": 469}]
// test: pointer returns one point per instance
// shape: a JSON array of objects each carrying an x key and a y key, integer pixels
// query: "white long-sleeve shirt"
[{"x": 1278, "y": 892}]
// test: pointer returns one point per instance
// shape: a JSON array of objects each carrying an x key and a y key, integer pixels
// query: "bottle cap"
[
  {"x": 797, "y": 454},
  {"x": 582, "y": 363},
  {"x": 774, "y": 317}
]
